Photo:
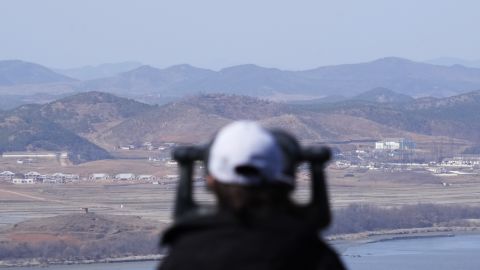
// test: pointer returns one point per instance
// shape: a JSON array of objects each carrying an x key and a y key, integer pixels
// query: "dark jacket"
[{"x": 227, "y": 241}]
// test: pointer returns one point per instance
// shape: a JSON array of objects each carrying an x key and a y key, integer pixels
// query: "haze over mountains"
[
  {"x": 148, "y": 83},
  {"x": 400, "y": 75},
  {"x": 100, "y": 71},
  {"x": 451, "y": 61},
  {"x": 16, "y": 72}
]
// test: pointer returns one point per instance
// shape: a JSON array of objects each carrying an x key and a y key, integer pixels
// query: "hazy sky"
[{"x": 217, "y": 33}]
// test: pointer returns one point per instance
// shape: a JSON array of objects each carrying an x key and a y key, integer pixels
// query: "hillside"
[
  {"x": 24, "y": 128},
  {"x": 196, "y": 119},
  {"x": 16, "y": 72},
  {"x": 91, "y": 113},
  {"x": 109, "y": 121},
  {"x": 383, "y": 95},
  {"x": 193, "y": 119},
  {"x": 455, "y": 116},
  {"x": 80, "y": 237}
]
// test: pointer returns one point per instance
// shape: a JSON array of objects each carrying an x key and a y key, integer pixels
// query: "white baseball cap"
[{"x": 245, "y": 144}]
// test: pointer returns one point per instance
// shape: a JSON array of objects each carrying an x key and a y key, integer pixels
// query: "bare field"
[{"x": 21, "y": 202}]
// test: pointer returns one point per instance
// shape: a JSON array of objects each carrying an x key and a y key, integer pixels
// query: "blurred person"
[{"x": 256, "y": 225}]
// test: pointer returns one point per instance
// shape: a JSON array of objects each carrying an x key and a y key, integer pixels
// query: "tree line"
[{"x": 366, "y": 217}]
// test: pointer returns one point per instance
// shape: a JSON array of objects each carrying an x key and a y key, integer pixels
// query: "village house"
[
  {"x": 125, "y": 176},
  {"x": 171, "y": 163},
  {"x": 22, "y": 181},
  {"x": 72, "y": 177},
  {"x": 146, "y": 177},
  {"x": 7, "y": 176},
  {"x": 395, "y": 144},
  {"x": 35, "y": 176},
  {"x": 127, "y": 147},
  {"x": 462, "y": 161},
  {"x": 99, "y": 176},
  {"x": 148, "y": 146}
]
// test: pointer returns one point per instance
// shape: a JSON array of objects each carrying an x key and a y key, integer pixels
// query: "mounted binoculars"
[{"x": 317, "y": 210}]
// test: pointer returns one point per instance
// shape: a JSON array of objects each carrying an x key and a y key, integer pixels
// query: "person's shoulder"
[{"x": 196, "y": 224}]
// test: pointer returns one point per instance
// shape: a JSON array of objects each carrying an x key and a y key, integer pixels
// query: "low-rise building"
[
  {"x": 7, "y": 176},
  {"x": 395, "y": 144},
  {"x": 146, "y": 177},
  {"x": 33, "y": 175},
  {"x": 99, "y": 176},
  {"x": 125, "y": 176},
  {"x": 22, "y": 181}
]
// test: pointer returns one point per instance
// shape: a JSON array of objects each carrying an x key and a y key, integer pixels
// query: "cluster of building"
[
  {"x": 62, "y": 178},
  {"x": 31, "y": 157},
  {"x": 149, "y": 146},
  {"x": 122, "y": 177},
  {"x": 400, "y": 154},
  {"x": 35, "y": 177},
  {"x": 395, "y": 144}
]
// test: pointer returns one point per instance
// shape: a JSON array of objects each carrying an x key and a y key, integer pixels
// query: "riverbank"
[
  {"x": 342, "y": 242},
  {"x": 40, "y": 262}
]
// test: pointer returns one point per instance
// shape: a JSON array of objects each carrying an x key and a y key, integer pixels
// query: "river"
[{"x": 460, "y": 252}]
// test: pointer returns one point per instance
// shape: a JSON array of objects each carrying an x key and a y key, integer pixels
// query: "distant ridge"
[
  {"x": 454, "y": 117},
  {"x": 399, "y": 75},
  {"x": 99, "y": 71},
  {"x": 16, "y": 72},
  {"x": 451, "y": 61}
]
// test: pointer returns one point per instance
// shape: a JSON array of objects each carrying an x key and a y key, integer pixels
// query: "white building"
[
  {"x": 395, "y": 144},
  {"x": 6, "y": 176},
  {"x": 146, "y": 177},
  {"x": 22, "y": 181},
  {"x": 99, "y": 176},
  {"x": 125, "y": 176},
  {"x": 171, "y": 163},
  {"x": 32, "y": 175},
  {"x": 48, "y": 155}
]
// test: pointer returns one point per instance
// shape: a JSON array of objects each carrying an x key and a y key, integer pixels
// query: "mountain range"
[
  {"x": 154, "y": 85},
  {"x": 400, "y": 75}
]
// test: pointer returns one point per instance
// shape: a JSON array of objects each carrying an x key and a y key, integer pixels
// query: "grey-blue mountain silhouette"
[
  {"x": 99, "y": 71},
  {"x": 452, "y": 61},
  {"x": 399, "y": 75},
  {"x": 16, "y": 72}
]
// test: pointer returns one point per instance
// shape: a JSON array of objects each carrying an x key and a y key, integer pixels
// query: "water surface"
[{"x": 436, "y": 253}]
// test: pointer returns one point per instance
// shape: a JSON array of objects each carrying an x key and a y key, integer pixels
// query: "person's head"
[{"x": 246, "y": 168}]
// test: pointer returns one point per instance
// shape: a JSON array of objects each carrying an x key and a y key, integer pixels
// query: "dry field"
[{"x": 22, "y": 202}]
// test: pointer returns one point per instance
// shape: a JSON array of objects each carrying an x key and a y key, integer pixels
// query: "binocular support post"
[
  {"x": 186, "y": 157},
  {"x": 319, "y": 207}
]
